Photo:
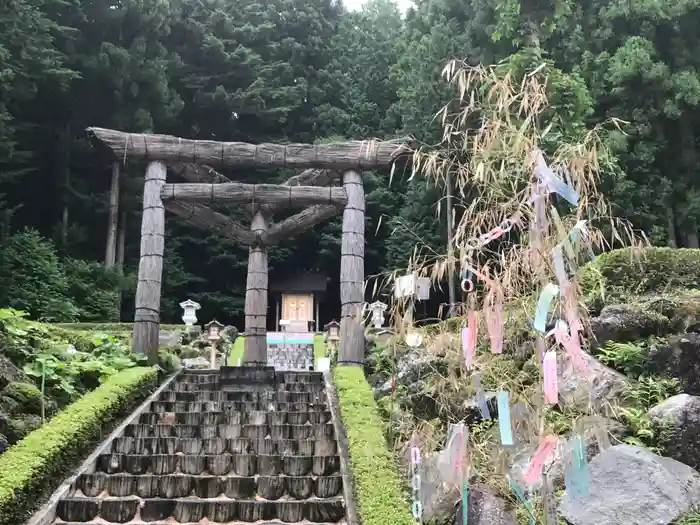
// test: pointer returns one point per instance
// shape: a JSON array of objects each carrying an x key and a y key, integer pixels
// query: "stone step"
[
  {"x": 324, "y": 431},
  {"x": 170, "y": 522},
  {"x": 238, "y": 417},
  {"x": 201, "y": 406},
  {"x": 279, "y": 387},
  {"x": 269, "y": 488},
  {"x": 244, "y": 397},
  {"x": 194, "y": 446},
  {"x": 246, "y": 374},
  {"x": 218, "y": 465},
  {"x": 121, "y": 510}
]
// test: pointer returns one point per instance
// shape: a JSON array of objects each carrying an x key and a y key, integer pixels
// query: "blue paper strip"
[
  {"x": 481, "y": 398},
  {"x": 554, "y": 183},
  {"x": 576, "y": 472},
  {"x": 519, "y": 493},
  {"x": 548, "y": 293},
  {"x": 465, "y": 503},
  {"x": 504, "y": 418}
]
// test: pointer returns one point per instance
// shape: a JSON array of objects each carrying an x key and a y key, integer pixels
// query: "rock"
[
  {"x": 626, "y": 322},
  {"x": 9, "y": 372},
  {"x": 633, "y": 486},
  {"x": 592, "y": 391},
  {"x": 679, "y": 358},
  {"x": 26, "y": 395},
  {"x": 680, "y": 415},
  {"x": 485, "y": 509},
  {"x": 21, "y": 425}
]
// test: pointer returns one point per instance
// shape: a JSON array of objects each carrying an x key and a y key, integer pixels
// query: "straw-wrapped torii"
[{"x": 195, "y": 161}]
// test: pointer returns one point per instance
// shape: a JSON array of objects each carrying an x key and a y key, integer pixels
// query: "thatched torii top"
[{"x": 358, "y": 155}]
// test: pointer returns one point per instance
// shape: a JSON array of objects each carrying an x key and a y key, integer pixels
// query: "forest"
[{"x": 308, "y": 71}]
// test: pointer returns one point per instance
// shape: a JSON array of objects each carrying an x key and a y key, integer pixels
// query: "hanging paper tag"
[
  {"x": 543, "y": 303},
  {"x": 469, "y": 339},
  {"x": 481, "y": 398},
  {"x": 579, "y": 227},
  {"x": 571, "y": 309},
  {"x": 504, "y": 418},
  {"x": 495, "y": 325},
  {"x": 572, "y": 345},
  {"x": 534, "y": 470},
  {"x": 551, "y": 387},
  {"x": 545, "y": 174},
  {"x": 526, "y": 503},
  {"x": 465, "y": 503},
  {"x": 576, "y": 472}
]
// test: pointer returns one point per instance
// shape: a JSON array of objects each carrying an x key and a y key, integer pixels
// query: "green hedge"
[
  {"x": 641, "y": 272},
  {"x": 33, "y": 467},
  {"x": 379, "y": 490}
]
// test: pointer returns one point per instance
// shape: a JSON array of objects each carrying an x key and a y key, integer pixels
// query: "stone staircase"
[
  {"x": 290, "y": 351},
  {"x": 234, "y": 446}
]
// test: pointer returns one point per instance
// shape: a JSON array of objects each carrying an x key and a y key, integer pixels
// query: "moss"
[
  {"x": 26, "y": 395},
  {"x": 628, "y": 271},
  {"x": 692, "y": 518},
  {"x": 378, "y": 485},
  {"x": 33, "y": 467},
  {"x": 113, "y": 327}
]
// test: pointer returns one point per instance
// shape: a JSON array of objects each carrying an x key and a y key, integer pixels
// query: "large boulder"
[
  {"x": 630, "y": 485},
  {"x": 679, "y": 417},
  {"x": 679, "y": 357},
  {"x": 594, "y": 390},
  {"x": 628, "y": 322}
]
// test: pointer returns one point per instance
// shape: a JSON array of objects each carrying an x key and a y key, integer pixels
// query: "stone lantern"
[
  {"x": 377, "y": 308},
  {"x": 213, "y": 330},
  {"x": 332, "y": 332},
  {"x": 189, "y": 311}
]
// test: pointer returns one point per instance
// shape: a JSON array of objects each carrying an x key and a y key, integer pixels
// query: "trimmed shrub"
[
  {"x": 33, "y": 467},
  {"x": 379, "y": 490},
  {"x": 637, "y": 272}
]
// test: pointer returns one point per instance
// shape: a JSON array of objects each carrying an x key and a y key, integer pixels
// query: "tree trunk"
[
  {"x": 692, "y": 236},
  {"x": 671, "y": 227},
  {"x": 113, "y": 220},
  {"x": 121, "y": 245},
  {"x": 352, "y": 272},
  {"x": 147, "y": 315},
  {"x": 65, "y": 212},
  {"x": 256, "y": 297}
]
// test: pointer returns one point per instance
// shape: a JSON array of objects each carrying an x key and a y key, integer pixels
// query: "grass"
[{"x": 379, "y": 488}]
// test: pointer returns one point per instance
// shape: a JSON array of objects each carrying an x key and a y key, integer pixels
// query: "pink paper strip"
[
  {"x": 551, "y": 387},
  {"x": 469, "y": 338},
  {"x": 572, "y": 345},
  {"x": 571, "y": 309},
  {"x": 534, "y": 470},
  {"x": 495, "y": 325}
]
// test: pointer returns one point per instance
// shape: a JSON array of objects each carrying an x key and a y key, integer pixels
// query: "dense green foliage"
[
  {"x": 73, "y": 362},
  {"x": 379, "y": 490},
  {"x": 39, "y": 462},
  {"x": 300, "y": 71}
]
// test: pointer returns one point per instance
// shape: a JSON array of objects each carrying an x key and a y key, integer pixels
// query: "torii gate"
[{"x": 193, "y": 161}]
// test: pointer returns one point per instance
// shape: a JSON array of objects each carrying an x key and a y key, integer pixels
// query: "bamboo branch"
[
  {"x": 358, "y": 155},
  {"x": 234, "y": 192},
  {"x": 299, "y": 223},
  {"x": 208, "y": 220}
]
